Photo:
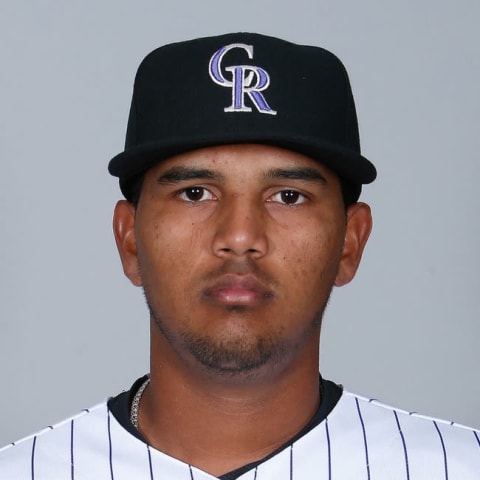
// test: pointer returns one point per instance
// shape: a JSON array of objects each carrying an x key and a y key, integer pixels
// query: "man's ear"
[
  {"x": 359, "y": 226},
  {"x": 124, "y": 231}
]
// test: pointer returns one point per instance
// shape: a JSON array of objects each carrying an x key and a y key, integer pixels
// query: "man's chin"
[{"x": 235, "y": 358}]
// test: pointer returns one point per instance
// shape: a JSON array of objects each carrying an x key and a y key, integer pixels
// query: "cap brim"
[{"x": 346, "y": 163}]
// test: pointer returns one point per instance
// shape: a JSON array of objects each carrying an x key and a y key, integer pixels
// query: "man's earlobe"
[
  {"x": 124, "y": 231},
  {"x": 359, "y": 226}
]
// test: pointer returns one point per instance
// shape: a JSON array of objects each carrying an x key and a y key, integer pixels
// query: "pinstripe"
[
  {"x": 150, "y": 462},
  {"x": 32, "y": 462},
  {"x": 329, "y": 454},
  {"x": 444, "y": 451},
  {"x": 291, "y": 461},
  {"x": 109, "y": 445},
  {"x": 478, "y": 439},
  {"x": 367, "y": 461},
  {"x": 255, "y": 473},
  {"x": 72, "y": 463},
  {"x": 407, "y": 469},
  {"x": 191, "y": 472}
]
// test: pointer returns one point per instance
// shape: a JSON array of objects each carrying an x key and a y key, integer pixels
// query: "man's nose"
[{"x": 241, "y": 229}]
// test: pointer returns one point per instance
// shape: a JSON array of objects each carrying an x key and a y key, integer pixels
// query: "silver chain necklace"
[{"x": 136, "y": 402}]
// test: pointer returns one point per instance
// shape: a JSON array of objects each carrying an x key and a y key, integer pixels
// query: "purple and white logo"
[{"x": 245, "y": 80}]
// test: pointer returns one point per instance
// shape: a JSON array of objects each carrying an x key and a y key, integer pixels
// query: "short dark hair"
[{"x": 132, "y": 188}]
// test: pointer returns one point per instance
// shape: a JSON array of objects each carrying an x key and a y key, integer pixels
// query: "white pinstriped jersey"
[{"x": 360, "y": 439}]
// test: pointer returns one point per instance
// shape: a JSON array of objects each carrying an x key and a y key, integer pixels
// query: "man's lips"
[{"x": 237, "y": 290}]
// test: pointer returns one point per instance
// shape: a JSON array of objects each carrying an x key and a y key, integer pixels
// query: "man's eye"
[
  {"x": 196, "y": 194},
  {"x": 288, "y": 197}
]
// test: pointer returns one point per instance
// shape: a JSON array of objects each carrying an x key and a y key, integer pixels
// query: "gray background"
[{"x": 73, "y": 330}]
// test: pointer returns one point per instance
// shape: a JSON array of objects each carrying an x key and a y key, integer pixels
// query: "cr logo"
[{"x": 246, "y": 80}]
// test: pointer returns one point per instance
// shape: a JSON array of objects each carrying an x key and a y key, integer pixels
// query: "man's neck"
[{"x": 219, "y": 426}]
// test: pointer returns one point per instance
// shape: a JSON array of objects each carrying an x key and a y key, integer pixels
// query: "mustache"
[{"x": 243, "y": 267}]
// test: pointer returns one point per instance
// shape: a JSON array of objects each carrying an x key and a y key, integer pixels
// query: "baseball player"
[{"x": 241, "y": 175}]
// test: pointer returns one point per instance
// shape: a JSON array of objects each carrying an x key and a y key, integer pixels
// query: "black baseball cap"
[{"x": 242, "y": 88}]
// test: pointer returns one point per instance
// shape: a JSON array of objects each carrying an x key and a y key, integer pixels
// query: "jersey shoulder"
[
  {"x": 54, "y": 448},
  {"x": 391, "y": 439},
  {"x": 406, "y": 418}
]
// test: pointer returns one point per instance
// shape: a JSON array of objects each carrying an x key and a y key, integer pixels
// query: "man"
[{"x": 242, "y": 173}]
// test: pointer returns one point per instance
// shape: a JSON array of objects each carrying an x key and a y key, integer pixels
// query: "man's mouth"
[{"x": 231, "y": 290}]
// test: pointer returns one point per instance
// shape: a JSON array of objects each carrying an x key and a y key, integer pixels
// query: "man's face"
[{"x": 237, "y": 248}]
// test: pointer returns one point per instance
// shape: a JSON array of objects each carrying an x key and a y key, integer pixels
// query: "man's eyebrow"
[
  {"x": 182, "y": 174},
  {"x": 296, "y": 173}
]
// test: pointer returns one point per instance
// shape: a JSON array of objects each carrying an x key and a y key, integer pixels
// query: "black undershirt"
[{"x": 330, "y": 393}]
